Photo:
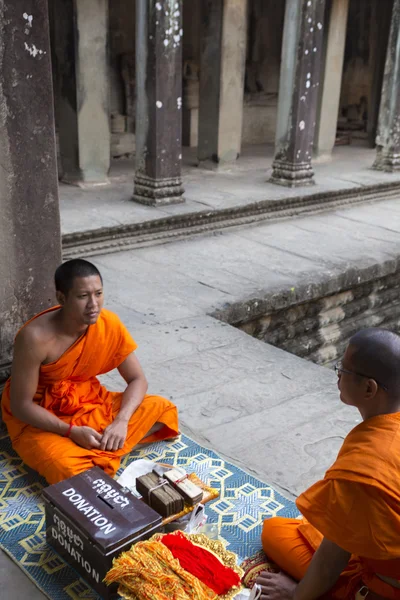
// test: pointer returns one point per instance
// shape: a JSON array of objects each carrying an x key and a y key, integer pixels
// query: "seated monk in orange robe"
[
  {"x": 348, "y": 544},
  {"x": 61, "y": 420}
]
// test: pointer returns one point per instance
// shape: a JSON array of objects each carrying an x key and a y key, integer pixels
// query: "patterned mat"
[{"x": 243, "y": 504}]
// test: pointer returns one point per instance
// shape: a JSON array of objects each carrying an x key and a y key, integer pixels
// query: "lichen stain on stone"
[
  {"x": 28, "y": 18},
  {"x": 172, "y": 24},
  {"x": 33, "y": 51}
]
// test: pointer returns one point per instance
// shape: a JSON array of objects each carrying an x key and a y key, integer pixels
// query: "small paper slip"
[
  {"x": 178, "y": 478},
  {"x": 247, "y": 594},
  {"x": 136, "y": 469}
]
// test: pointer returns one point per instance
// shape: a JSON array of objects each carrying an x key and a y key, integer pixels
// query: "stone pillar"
[
  {"x": 388, "y": 138},
  {"x": 222, "y": 70},
  {"x": 381, "y": 14},
  {"x": 298, "y": 92},
  {"x": 80, "y": 47},
  {"x": 159, "y": 102},
  {"x": 30, "y": 221},
  {"x": 332, "y": 80}
]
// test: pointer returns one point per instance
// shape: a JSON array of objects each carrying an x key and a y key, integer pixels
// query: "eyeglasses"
[{"x": 339, "y": 369}]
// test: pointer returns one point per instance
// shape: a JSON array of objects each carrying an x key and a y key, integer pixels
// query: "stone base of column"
[
  {"x": 387, "y": 161},
  {"x": 158, "y": 192},
  {"x": 292, "y": 174}
]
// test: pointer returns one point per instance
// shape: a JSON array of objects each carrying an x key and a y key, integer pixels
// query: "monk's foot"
[{"x": 276, "y": 586}]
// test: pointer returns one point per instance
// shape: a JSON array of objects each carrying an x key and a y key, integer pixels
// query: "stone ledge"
[
  {"x": 238, "y": 313},
  {"x": 173, "y": 228}
]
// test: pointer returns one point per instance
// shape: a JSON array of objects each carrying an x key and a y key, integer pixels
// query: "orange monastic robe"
[
  {"x": 356, "y": 506},
  {"x": 69, "y": 388}
]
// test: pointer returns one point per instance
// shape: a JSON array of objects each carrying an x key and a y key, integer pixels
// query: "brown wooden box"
[{"x": 90, "y": 519}]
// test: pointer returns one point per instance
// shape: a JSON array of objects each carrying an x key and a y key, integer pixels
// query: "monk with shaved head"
[
  {"x": 347, "y": 545},
  {"x": 61, "y": 420}
]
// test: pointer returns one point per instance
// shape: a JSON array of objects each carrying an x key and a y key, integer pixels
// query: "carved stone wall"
[{"x": 319, "y": 329}]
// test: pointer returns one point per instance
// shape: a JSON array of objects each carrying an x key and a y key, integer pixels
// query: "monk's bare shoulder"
[{"x": 36, "y": 338}]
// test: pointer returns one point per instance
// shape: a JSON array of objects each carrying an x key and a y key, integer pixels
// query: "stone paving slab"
[
  {"x": 298, "y": 457},
  {"x": 14, "y": 585},
  {"x": 334, "y": 248}
]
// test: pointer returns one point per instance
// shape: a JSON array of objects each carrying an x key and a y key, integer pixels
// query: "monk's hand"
[
  {"x": 86, "y": 437},
  {"x": 276, "y": 586},
  {"x": 114, "y": 436}
]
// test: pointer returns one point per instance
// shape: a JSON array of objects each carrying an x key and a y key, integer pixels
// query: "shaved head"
[
  {"x": 68, "y": 271},
  {"x": 375, "y": 353}
]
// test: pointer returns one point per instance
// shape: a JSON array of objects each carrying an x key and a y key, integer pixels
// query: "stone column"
[
  {"x": 388, "y": 138},
  {"x": 332, "y": 80},
  {"x": 298, "y": 92},
  {"x": 80, "y": 47},
  {"x": 30, "y": 222},
  {"x": 222, "y": 70},
  {"x": 381, "y": 14},
  {"x": 159, "y": 102}
]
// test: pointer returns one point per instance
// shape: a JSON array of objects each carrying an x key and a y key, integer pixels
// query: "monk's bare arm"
[
  {"x": 29, "y": 353},
  {"x": 325, "y": 568},
  {"x": 133, "y": 396},
  {"x": 115, "y": 434}
]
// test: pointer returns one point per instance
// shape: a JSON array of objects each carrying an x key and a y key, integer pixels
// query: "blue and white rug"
[{"x": 243, "y": 504}]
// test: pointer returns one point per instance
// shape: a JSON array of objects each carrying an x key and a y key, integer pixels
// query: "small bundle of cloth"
[
  {"x": 171, "y": 567},
  {"x": 254, "y": 566}
]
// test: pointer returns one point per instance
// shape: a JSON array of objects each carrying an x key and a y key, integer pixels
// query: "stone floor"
[
  {"x": 268, "y": 411},
  {"x": 244, "y": 183}
]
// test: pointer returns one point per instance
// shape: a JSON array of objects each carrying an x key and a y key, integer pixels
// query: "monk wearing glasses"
[{"x": 347, "y": 545}]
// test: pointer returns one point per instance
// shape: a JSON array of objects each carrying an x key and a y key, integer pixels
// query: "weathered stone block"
[{"x": 30, "y": 221}]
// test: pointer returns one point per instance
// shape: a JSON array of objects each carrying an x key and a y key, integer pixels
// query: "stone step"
[{"x": 173, "y": 228}]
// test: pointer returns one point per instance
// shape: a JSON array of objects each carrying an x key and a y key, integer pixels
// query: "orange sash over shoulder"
[
  {"x": 69, "y": 388},
  {"x": 357, "y": 504}
]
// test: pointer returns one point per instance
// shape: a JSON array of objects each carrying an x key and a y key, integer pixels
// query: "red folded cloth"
[{"x": 201, "y": 563}]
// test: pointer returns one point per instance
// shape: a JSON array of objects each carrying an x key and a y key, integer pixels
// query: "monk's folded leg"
[
  {"x": 283, "y": 544},
  {"x": 54, "y": 457},
  {"x": 153, "y": 409}
]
